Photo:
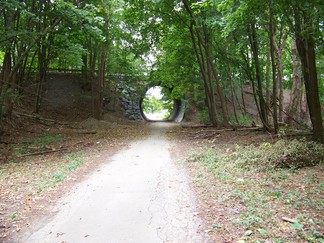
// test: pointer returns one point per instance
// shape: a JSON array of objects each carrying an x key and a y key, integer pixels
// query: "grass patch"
[
  {"x": 2, "y": 169},
  {"x": 268, "y": 182},
  {"x": 70, "y": 163},
  {"x": 41, "y": 143}
]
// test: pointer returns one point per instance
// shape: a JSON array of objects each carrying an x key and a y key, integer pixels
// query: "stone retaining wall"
[{"x": 130, "y": 103}]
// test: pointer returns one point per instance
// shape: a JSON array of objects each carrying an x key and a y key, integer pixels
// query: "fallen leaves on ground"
[
  {"x": 249, "y": 206},
  {"x": 36, "y": 164}
]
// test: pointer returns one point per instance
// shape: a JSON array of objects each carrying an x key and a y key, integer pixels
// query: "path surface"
[{"x": 139, "y": 196}]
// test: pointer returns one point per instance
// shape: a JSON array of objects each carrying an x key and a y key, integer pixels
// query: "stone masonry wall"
[{"x": 130, "y": 103}]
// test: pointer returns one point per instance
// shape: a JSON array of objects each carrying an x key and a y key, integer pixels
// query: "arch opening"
[{"x": 157, "y": 105}]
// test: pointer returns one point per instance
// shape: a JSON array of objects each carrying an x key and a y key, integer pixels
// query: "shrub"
[{"x": 282, "y": 154}]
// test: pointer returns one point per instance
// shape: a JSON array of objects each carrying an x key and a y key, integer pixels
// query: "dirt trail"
[{"x": 140, "y": 195}]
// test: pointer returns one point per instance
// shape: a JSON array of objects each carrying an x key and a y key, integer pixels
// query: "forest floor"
[
  {"x": 235, "y": 207},
  {"x": 137, "y": 195},
  {"x": 42, "y": 159},
  {"x": 244, "y": 204}
]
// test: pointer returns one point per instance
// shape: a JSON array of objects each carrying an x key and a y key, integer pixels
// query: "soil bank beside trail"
[{"x": 139, "y": 195}]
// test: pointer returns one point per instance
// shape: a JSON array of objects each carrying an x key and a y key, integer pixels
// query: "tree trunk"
[
  {"x": 242, "y": 97},
  {"x": 220, "y": 92},
  {"x": 6, "y": 76},
  {"x": 233, "y": 98},
  {"x": 295, "y": 103},
  {"x": 201, "y": 59},
  {"x": 268, "y": 77},
  {"x": 6, "y": 68},
  {"x": 44, "y": 44},
  {"x": 5, "y": 85},
  {"x": 279, "y": 50},
  {"x": 213, "y": 75},
  {"x": 93, "y": 58},
  {"x": 85, "y": 67},
  {"x": 273, "y": 65},
  {"x": 100, "y": 85},
  {"x": 42, "y": 69},
  {"x": 258, "y": 75},
  {"x": 306, "y": 50},
  {"x": 201, "y": 43}
]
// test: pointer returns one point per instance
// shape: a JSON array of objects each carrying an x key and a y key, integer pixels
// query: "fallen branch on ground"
[
  {"x": 86, "y": 132},
  {"x": 295, "y": 134},
  {"x": 237, "y": 129},
  {"x": 288, "y": 220},
  {"x": 196, "y": 126},
  {"x": 42, "y": 152},
  {"x": 40, "y": 118},
  {"x": 203, "y": 135}
]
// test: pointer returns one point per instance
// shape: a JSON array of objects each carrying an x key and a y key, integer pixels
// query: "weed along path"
[{"x": 139, "y": 195}]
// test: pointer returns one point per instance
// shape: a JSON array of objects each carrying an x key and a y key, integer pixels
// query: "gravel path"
[{"x": 139, "y": 195}]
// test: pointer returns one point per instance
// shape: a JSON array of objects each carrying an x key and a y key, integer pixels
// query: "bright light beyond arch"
[{"x": 156, "y": 105}]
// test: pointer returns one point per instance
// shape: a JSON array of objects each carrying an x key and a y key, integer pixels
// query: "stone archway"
[
  {"x": 131, "y": 105},
  {"x": 177, "y": 113}
]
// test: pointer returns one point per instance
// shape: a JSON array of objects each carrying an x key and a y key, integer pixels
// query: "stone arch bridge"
[{"x": 131, "y": 94}]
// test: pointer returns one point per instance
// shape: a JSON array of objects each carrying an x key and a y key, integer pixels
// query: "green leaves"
[
  {"x": 157, "y": 104},
  {"x": 297, "y": 226}
]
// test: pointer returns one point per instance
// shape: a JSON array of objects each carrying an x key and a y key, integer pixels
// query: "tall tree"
[
  {"x": 305, "y": 31},
  {"x": 202, "y": 40},
  {"x": 295, "y": 103},
  {"x": 274, "y": 81},
  {"x": 20, "y": 38}
]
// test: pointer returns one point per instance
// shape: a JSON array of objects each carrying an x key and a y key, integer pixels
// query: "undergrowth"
[
  {"x": 282, "y": 154},
  {"x": 268, "y": 182}
]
